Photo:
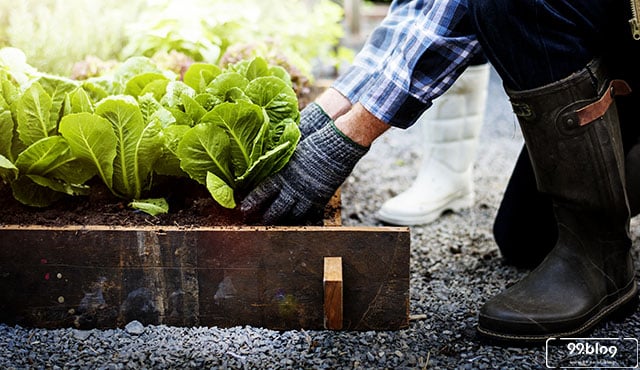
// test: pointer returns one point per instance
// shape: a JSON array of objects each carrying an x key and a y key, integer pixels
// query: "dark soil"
[{"x": 189, "y": 205}]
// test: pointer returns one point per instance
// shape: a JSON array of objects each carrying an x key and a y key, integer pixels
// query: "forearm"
[
  {"x": 361, "y": 126},
  {"x": 333, "y": 103}
]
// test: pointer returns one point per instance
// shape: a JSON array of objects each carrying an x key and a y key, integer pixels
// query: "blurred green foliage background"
[{"x": 57, "y": 34}]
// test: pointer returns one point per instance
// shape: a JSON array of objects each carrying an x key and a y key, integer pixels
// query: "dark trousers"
[{"x": 532, "y": 43}]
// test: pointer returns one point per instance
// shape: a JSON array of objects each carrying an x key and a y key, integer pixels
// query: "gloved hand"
[
  {"x": 312, "y": 118},
  {"x": 316, "y": 170}
]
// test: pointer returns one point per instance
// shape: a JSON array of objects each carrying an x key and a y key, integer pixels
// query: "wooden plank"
[
  {"x": 333, "y": 293},
  {"x": 271, "y": 277}
]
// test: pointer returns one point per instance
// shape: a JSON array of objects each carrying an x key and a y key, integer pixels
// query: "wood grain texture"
[
  {"x": 102, "y": 277},
  {"x": 333, "y": 293}
]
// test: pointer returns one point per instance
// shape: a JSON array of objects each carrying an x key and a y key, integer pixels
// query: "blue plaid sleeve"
[
  {"x": 387, "y": 35},
  {"x": 414, "y": 56}
]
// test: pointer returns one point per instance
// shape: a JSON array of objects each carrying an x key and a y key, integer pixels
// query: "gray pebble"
[
  {"x": 81, "y": 334},
  {"x": 134, "y": 328}
]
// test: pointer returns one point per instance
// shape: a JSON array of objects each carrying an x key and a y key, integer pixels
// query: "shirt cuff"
[
  {"x": 391, "y": 103},
  {"x": 352, "y": 83}
]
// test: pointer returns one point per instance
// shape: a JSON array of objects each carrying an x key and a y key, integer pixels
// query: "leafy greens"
[{"x": 227, "y": 129}]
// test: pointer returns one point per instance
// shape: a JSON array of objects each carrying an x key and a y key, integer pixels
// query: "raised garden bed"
[
  {"x": 73, "y": 251},
  {"x": 103, "y": 276}
]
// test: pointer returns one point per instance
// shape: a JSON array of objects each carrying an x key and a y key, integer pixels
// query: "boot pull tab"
[{"x": 598, "y": 108}]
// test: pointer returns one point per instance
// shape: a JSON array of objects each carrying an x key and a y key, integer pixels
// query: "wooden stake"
[{"x": 333, "y": 293}]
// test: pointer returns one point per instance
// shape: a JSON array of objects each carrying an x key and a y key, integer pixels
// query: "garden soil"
[{"x": 189, "y": 205}]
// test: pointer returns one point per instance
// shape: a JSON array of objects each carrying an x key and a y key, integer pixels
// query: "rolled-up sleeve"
[
  {"x": 357, "y": 78},
  {"x": 421, "y": 54}
]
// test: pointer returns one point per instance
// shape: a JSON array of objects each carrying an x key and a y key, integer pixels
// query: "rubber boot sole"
[{"x": 617, "y": 310}]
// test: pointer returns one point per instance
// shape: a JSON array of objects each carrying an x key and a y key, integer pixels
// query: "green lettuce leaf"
[
  {"x": 138, "y": 145},
  {"x": 78, "y": 101},
  {"x": 59, "y": 186},
  {"x": 199, "y": 75},
  {"x": 33, "y": 110},
  {"x": 169, "y": 163},
  {"x": 138, "y": 83},
  {"x": 263, "y": 167},
  {"x": 242, "y": 122},
  {"x": 6, "y": 133},
  {"x": 57, "y": 88},
  {"x": 92, "y": 139},
  {"x": 8, "y": 171},
  {"x": 42, "y": 156},
  {"x": 29, "y": 192},
  {"x": 203, "y": 149},
  {"x": 154, "y": 206},
  {"x": 8, "y": 91},
  {"x": 174, "y": 92},
  {"x": 156, "y": 88},
  {"x": 128, "y": 70},
  {"x": 221, "y": 85},
  {"x": 208, "y": 101},
  {"x": 258, "y": 67},
  {"x": 275, "y": 96},
  {"x": 193, "y": 109},
  {"x": 220, "y": 191},
  {"x": 98, "y": 88},
  {"x": 152, "y": 110}
]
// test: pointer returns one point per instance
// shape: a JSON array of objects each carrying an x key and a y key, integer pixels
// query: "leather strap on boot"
[{"x": 600, "y": 107}]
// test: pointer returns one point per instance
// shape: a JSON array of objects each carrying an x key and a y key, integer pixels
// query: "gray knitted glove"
[
  {"x": 312, "y": 118},
  {"x": 316, "y": 170}
]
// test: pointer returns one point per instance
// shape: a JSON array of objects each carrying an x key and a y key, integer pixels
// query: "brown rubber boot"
[{"x": 572, "y": 132}]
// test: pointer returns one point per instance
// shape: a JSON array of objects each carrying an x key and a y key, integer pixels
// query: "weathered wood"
[
  {"x": 333, "y": 293},
  {"x": 271, "y": 277}
]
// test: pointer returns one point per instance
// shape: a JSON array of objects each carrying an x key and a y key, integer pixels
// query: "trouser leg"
[{"x": 532, "y": 43}]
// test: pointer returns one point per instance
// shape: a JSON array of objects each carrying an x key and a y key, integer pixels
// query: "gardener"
[{"x": 578, "y": 158}]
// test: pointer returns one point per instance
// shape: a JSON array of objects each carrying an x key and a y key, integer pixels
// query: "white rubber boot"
[{"x": 445, "y": 180}]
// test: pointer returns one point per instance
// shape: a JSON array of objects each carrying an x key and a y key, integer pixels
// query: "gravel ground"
[{"x": 455, "y": 267}]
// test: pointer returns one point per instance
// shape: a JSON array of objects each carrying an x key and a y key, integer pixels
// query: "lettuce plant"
[
  {"x": 118, "y": 141},
  {"x": 250, "y": 134},
  {"x": 34, "y": 159},
  {"x": 228, "y": 129}
]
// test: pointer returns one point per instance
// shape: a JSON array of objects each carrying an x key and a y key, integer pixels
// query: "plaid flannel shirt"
[{"x": 411, "y": 58}]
